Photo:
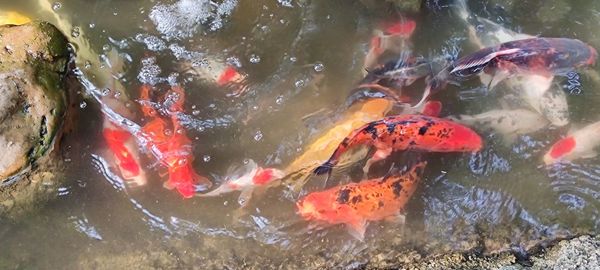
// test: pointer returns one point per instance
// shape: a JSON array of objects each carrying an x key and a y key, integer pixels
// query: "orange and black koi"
[
  {"x": 355, "y": 204},
  {"x": 406, "y": 132}
]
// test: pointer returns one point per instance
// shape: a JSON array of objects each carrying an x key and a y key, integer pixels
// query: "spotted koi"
[
  {"x": 355, "y": 204},
  {"x": 406, "y": 132}
]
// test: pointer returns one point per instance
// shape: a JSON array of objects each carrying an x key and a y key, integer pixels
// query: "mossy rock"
[{"x": 33, "y": 63}]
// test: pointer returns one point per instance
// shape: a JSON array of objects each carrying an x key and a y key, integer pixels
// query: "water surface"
[{"x": 302, "y": 58}]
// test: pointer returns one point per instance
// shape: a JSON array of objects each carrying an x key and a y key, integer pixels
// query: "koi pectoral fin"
[
  {"x": 397, "y": 219},
  {"x": 380, "y": 154},
  {"x": 357, "y": 229}
]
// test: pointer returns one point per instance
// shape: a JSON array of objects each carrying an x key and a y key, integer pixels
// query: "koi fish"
[
  {"x": 543, "y": 96},
  {"x": 545, "y": 56},
  {"x": 356, "y": 204},
  {"x": 126, "y": 157},
  {"x": 220, "y": 74},
  {"x": 508, "y": 123},
  {"x": 578, "y": 144},
  {"x": 537, "y": 90},
  {"x": 246, "y": 179},
  {"x": 390, "y": 37},
  {"x": 125, "y": 152},
  {"x": 388, "y": 80},
  {"x": 169, "y": 144},
  {"x": 406, "y": 132}
]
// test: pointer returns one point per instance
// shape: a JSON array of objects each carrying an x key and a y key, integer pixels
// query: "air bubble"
[
  {"x": 206, "y": 158},
  {"x": 279, "y": 100},
  {"x": 75, "y": 32},
  {"x": 258, "y": 136},
  {"x": 195, "y": 112},
  {"x": 82, "y": 105},
  {"x": 299, "y": 83},
  {"x": 319, "y": 67},
  {"x": 293, "y": 59},
  {"x": 56, "y": 6},
  {"x": 254, "y": 58}
]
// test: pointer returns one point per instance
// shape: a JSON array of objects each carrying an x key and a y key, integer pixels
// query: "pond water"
[{"x": 301, "y": 58}]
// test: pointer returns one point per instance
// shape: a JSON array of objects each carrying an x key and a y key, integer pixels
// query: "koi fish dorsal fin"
[{"x": 474, "y": 63}]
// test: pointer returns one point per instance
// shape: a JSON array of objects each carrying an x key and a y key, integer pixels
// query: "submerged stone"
[{"x": 33, "y": 101}]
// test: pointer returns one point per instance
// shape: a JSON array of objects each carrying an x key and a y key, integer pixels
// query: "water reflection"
[{"x": 299, "y": 60}]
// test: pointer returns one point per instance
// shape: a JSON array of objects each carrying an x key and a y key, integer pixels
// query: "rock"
[
  {"x": 578, "y": 253},
  {"x": 33, "y": 61}
]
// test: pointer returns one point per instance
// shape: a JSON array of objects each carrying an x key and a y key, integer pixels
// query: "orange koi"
[
  {"x": 172, "y": 149},
  {"x": 355, "y": 204},
  {"x": 406, "y": 132}
]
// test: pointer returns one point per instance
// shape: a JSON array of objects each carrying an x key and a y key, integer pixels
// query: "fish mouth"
[{"x": 306, "y": 210}]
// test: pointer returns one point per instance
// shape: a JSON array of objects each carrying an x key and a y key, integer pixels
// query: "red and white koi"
[
  {"x": 392, "y": 37},
  {"x": 246, "y": 179},
  {"x": 576, "y": 145}
]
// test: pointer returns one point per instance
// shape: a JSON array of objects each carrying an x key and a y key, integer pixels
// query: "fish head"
[
  {"x": 403, "y": 28},
  {"x": 317, "y": 206},
  {"x": 460, "y": 139},
  {"x": 560, "y": 150}
]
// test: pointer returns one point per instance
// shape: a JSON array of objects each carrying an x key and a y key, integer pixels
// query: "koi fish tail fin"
[
  {"x": 222, "y": 189},
  {"x": 201, "y": 183},
  {"x": 325, "y": 168},
  {"x": 434, "y": 84}
]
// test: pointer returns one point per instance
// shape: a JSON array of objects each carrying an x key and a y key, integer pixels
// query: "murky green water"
[{"x": 502, "y": 197}]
